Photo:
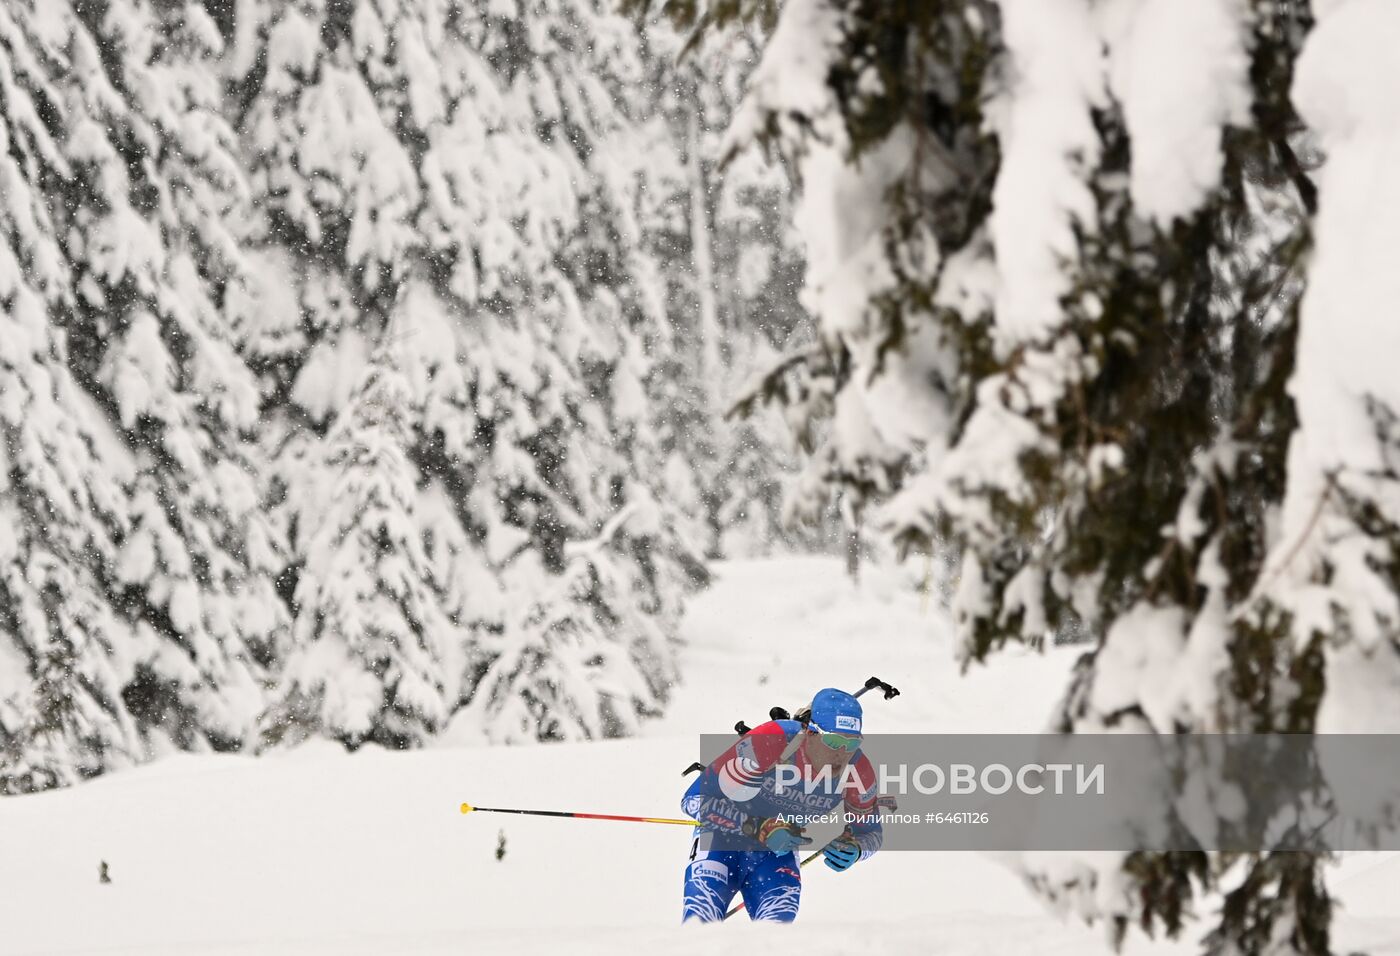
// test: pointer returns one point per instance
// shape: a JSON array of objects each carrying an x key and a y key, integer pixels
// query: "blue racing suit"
[{"x": 741, "y": 787}]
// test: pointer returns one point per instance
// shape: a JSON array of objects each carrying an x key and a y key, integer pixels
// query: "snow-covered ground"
[{"x": 316, "y": 851}]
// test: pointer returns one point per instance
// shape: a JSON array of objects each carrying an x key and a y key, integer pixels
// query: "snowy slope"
[{"x": 317, "y": 852}]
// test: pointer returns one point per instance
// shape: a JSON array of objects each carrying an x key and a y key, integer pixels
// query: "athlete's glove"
[
  {"x": 840, "y": 853},
  {"x": 776, "y": 835}
]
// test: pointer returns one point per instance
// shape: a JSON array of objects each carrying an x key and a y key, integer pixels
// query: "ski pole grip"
[{"x": 889, "y": 690}]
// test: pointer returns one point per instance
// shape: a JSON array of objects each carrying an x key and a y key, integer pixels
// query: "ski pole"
[
  {"x": 871, "y": 683},
  {"x": 468, "y": 808}
]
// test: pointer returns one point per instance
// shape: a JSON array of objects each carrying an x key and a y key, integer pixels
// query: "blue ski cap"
[{"x": 836, "y": 711}]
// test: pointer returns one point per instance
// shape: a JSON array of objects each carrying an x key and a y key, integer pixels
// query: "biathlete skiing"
[{"x": 749, "y": 830}]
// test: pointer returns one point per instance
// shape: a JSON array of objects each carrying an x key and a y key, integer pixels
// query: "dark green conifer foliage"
[{"x": 1156, "y": 412}]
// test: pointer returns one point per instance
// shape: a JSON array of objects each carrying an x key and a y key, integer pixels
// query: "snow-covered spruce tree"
[
  {"x": 1094, "y": 316},
  {"x": 372, "y": 652},
  {"x": 136, "y": 602},
  {"x": 732, "y": 272},
  {"x": 461, "y": 182}
]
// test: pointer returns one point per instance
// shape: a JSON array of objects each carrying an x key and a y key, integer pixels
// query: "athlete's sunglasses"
[{"x": 838, "y": 741}]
